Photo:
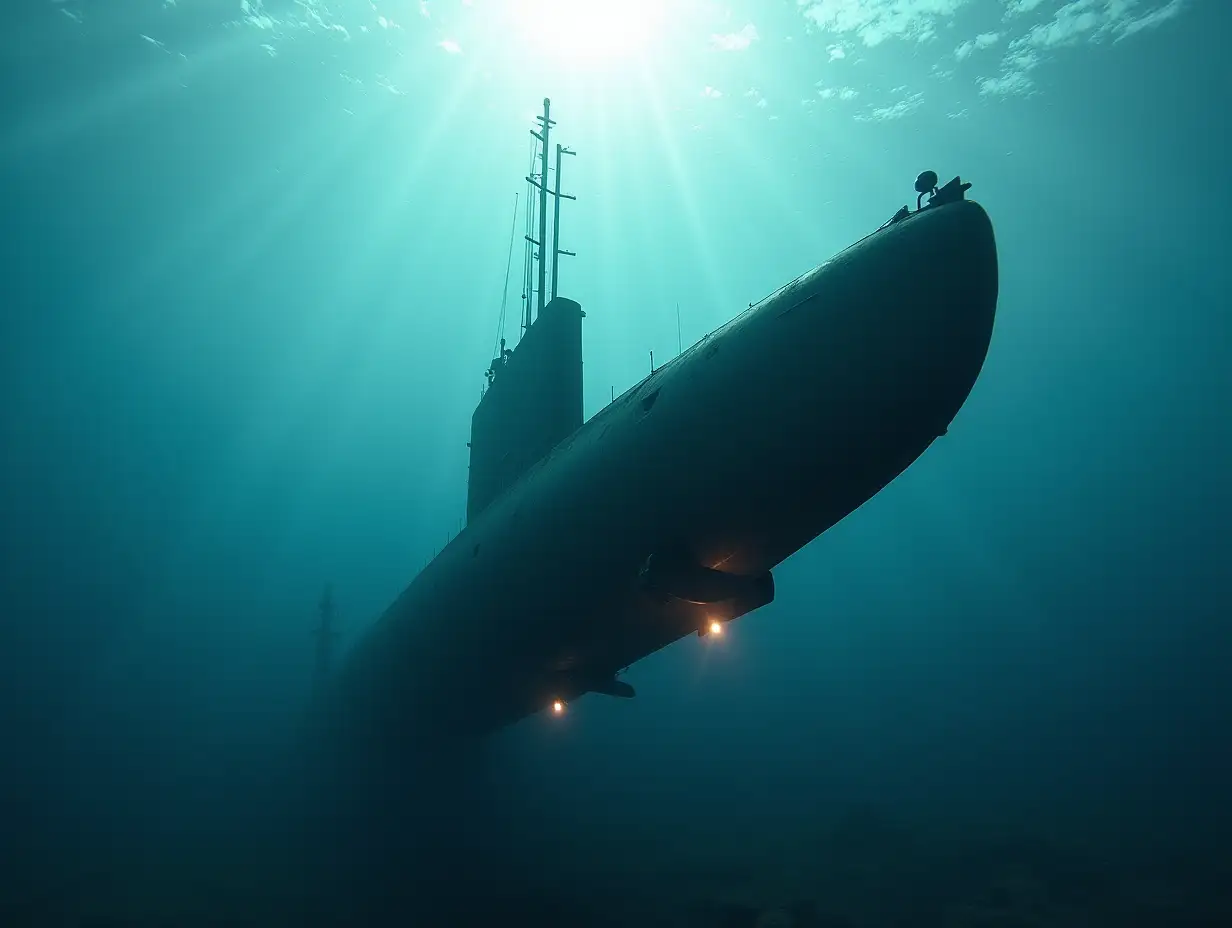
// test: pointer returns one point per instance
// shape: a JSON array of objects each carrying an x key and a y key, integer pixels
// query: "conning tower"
[{"x": 533, "y": 398}]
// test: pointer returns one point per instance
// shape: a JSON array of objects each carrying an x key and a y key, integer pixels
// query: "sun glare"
[{"x": 588, "y": 31}]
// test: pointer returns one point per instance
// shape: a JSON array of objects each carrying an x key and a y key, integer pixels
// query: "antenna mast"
[
  {"x": 556, "y": 251},
  {"x": 546, "y": 124}
]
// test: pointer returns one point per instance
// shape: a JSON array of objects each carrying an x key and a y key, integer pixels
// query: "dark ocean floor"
[{"x": 859, "y": 869}]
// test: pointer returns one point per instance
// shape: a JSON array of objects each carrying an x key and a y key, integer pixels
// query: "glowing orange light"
[
  {"x": 557, "y": 706},
  {"x": 716, "y": 627}
]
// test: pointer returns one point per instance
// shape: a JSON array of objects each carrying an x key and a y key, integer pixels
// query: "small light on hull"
[
  {"x": 715, "y": 627},
  {"x": 558, "y": 707}
]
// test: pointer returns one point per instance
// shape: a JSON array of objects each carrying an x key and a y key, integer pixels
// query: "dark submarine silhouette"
[{"x": 590, "y": 545}]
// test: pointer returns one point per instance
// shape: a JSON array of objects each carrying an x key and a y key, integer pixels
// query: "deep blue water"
[{"x": 253, "y": 259}]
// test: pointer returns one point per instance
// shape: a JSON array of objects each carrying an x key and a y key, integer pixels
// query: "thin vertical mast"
[
  {"x": 528, "y": 276},
  {"x": 556, "y": 251},
  {"x": 543, "y": 206},
  {"x": 546, "y": 123}
]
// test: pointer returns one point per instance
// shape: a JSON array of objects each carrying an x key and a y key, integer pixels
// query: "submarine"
[{"x": 589, "y": 545}]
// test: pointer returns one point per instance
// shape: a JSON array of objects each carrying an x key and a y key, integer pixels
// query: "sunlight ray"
[
  {"x": 260, "y": 443},
  {"x": 321, "y": 164},
  {"x": 703, "y": 248},
  {"x": 255, "y": 445},
  {"x": 58, "y": 126},
  {"x": 247, "y": 193},
  {"x": 429, "y": 148}
]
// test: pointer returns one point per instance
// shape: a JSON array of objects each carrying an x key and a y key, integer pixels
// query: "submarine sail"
[
  {"x": 534, "y": 395},
  {"x": 533, "y": 403}
]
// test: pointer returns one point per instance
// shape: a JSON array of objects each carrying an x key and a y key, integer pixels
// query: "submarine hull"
[{"x": 730, "y": 458}]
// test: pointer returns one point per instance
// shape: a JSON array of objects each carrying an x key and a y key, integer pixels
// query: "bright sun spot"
[{"x": 588, "y": 30}]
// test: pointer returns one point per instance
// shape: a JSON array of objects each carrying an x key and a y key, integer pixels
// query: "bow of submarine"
[
  {"x": 818, "y": 399},
  {"x": 896, "y": 330},
  {"x": 739, "y": 452}
]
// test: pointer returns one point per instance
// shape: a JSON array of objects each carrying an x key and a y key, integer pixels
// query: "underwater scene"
[{"x": 616, "y": 463}]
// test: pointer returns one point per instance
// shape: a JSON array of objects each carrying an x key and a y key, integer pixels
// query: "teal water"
[{"x": 253, "y": 261}]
